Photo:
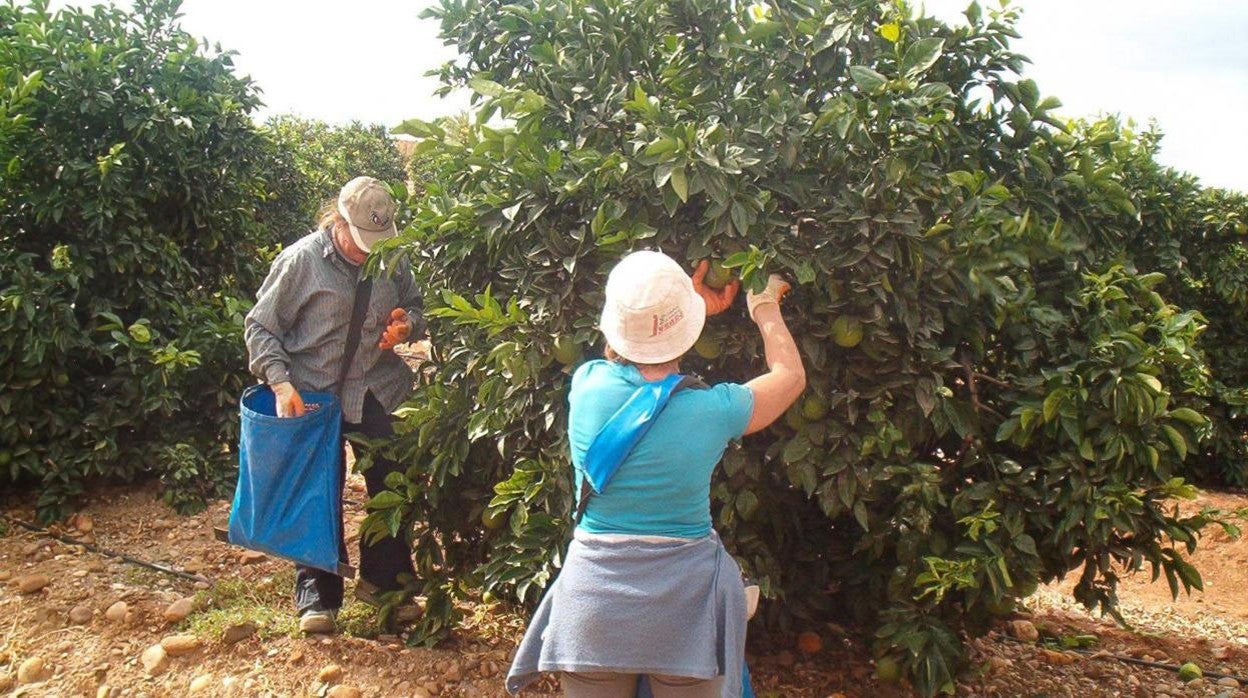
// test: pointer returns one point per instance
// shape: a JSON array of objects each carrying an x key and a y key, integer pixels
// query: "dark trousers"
[{"x": 381, "y": 563}]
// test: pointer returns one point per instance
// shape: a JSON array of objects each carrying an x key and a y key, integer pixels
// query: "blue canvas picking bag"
[{"x": 289, "y": 497}]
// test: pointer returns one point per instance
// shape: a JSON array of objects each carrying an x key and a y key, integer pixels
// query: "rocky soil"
[{"x": 74, "y": 622}]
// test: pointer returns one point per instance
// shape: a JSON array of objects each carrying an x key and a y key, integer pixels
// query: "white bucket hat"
[
  {"x": 369, "y": 210},
  {"x": 652, "y": 314}
]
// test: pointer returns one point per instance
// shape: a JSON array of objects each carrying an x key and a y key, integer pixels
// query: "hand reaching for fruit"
[
  {"x": 717, "y": 299},
  {"x": 776, "y": 288},
  {"x": 397, "y": 330}
]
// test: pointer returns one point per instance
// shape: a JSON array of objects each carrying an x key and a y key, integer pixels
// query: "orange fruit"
[
  {"x": 847, "y": 331},
  {"x": 493, "y": 519},
  {"x": 888, "y": 669},
  {"x": 567, "y": 351},
  {"x": 707, "y": 347},
  {"x": 717, "y": 276},
  {"x": 809, "y": 643}
]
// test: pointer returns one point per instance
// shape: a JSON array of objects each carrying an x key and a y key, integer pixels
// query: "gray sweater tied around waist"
[{"x": 671, "y": 607}]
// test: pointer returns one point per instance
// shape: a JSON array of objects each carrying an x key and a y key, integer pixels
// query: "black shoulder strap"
[
  {"x": 363, "y": 295},
  {"x": 587, "y": 490}
]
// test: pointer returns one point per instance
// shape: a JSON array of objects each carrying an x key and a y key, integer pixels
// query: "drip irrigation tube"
[
  {"x": 1103, "y": 654},
  {"x": 105, "y": 552}
]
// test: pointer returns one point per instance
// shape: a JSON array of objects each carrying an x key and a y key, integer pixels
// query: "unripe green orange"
[
  {"x": 566, "y": 350},
  {"x": 847, "y": 331},
  {"x": 814, "y": 408},
  {"x": 493, "y": 519},
  {"x": 888, "y": 669},
  {"x": 717, "y": 276},
  {"x": 707, "y": 347}
]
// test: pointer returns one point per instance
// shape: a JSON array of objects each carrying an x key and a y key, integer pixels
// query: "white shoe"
[{"x": 318, "y": 622}]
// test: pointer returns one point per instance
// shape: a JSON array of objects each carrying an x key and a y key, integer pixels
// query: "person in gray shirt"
[{"x": 299, "y": 338}]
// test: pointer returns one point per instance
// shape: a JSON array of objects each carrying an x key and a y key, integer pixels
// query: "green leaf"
[
  {"x": 867, "y": 79},
  {"x": 486, "y": 87},
  {"x": 1176, "y": 440},
  {"x": 140, "y": 332},
  {"x": 680, "y": 184},
  {"x": 1189, "y": 416},
  {"x": 921, "y": 56}
]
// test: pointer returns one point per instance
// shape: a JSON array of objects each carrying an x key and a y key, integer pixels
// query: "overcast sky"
[{"x": 1184, "y": 64}]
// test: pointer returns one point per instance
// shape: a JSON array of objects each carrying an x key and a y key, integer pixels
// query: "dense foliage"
[
  {"x": 127, "y": 241},
  {"x": 999, "y": 394},
  {"x": 1200, "y": 237},
  {"x": 311, "y": 160}
]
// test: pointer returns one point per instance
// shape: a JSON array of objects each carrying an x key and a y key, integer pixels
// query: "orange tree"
[
  {"x": 128, "y": 174},
  {"x": 1198, "y": 236},
  {"x": 998, "y": 394}
]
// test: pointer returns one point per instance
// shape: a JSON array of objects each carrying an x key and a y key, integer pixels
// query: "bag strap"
[
  {"x": 625, "y": 425},
  {"x": 363, "y": 295}
]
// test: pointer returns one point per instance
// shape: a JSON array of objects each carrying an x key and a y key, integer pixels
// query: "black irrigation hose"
[
  {"x": 1103, "y": 654},
  {"x": 107, "y": 553}
]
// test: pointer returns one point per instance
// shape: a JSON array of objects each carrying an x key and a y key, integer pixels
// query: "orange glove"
[
  {"x": 289, "y": 402},
  {"x": 397, "y": 330},
  {"x": 717, "y": 300}
]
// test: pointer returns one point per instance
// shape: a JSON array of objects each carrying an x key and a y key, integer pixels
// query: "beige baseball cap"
[
  {"x": 369, "y": 209},
  {"x": 652, "y": 314}
]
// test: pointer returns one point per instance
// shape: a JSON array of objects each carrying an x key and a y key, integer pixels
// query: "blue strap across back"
[{"x": 621, "y": 433}]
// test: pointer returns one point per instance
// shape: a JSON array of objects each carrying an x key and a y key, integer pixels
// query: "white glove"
[
  {"x": 289, "y": 402},
  {"x": 776, "y": 288}
]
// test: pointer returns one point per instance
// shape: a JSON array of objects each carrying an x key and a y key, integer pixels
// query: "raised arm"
[{"x": 777, "y": 389}]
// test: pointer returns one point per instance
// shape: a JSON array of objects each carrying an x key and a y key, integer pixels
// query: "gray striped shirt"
[{"x": 297, "y": 330}]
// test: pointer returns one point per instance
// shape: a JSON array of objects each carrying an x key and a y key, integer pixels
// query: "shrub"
[
  {"x": 127, "y": 244},
  {"x": 999, "y": 394},
  {"x": 311, "y": 160}
]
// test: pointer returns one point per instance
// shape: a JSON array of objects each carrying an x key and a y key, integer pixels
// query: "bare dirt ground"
[{"x": 71, "y": 636}]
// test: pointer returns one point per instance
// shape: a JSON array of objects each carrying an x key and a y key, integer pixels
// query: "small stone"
[
  {"x": 178, "y": 645},
  {"x": 238, "y": 632},
  {"x": 81, "y": 615},
  {"x": 229, "y": 683},
  {"x": 6, "y": 681},
  {"x": 33, "y": 549},
  {"x": 32, "y": 583},
  {"x": 200, "y": 683},
  {"x": 295, "y": 657},
  {"x": 179, "y": 610},
  {"x": 999, "y": 664},
  {"x": 420, "y": 692},
  {"x": 117, "y": 612},
  {"x": 331, "y": 673},
  {"x": 1222, "y": 653},
  {"x": 1057, "y": 658},
  {"x": 84, "y": 523},
  {"x": 1024, "y": 630},
  {"x": 454, "y": 673},
  {"x": 5, "y": 575},
  {"x": 1228, "y": 682},
  {"x": 252, "y": 557},
  {"x": 32, "y": 670},
  {"x": 344, "y": 692},
  {"x": 155, "y": 660}
]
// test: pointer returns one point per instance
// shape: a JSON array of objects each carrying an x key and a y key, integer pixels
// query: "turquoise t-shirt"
[{"x": 663, "y": 488}]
